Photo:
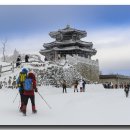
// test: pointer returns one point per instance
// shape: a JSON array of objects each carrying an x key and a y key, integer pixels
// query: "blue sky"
[
  {"x": 26, "y": 20},
  {"x": 108, "y": 27}
]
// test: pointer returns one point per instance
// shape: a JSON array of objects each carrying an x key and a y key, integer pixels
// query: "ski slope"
[{"x": 96, "y": 106}]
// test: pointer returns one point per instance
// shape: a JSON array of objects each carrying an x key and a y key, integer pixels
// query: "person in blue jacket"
[{"x": 20, "y": 81}]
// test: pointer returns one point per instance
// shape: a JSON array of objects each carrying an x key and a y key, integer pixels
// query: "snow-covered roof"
[
  {"x": 114, "y": 76},
  {"x": 67, "y": 42},
  {"x": 68, "y": 29},
  {"x": 69, "y": 49}
]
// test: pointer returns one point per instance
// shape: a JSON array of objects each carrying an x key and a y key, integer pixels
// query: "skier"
[
  {"x": 76, "y": 86},
  {"x": 126, "y": 89},
  {"x": 18, "y": 61},
  {"x": 20, "y": 81},
  {"x": 29, "y": 88},
  {"x": 26, "y": 58}
]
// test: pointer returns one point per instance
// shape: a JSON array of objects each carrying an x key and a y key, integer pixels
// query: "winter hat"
[
  {"x": 31, "y": 75},
  {"x": 24, "y": 70}
]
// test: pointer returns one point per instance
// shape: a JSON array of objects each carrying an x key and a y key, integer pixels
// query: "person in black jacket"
[
  {"x": 18, "y": 61},
  {"x": 83, "y": 84},
  {"x": 126, "y": 89},
  {"x": 64, "y": 86},
  {"x": 26, "y": 58}
]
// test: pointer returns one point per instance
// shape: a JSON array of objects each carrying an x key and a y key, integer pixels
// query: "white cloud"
[
  {"x": 113, "y": 48},
  {"x": 112, "y": 45},
  {"x": 30, "y": 44}
]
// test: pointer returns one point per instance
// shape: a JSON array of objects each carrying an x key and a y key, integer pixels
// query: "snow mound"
[{"x": 3, "y": 63}]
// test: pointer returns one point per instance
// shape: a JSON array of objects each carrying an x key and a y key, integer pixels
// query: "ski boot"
[
  {"x": 21, "y": 109},
  {"x": 34, "y": 111},
  {"x": 24, "y": 113},
  {"x": 24, "y": 110}
]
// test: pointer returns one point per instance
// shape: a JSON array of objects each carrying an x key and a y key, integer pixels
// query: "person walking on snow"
[
  {"x": 126, "y": 89},
  {"x": 29, "y": 92},
  {"x": 76, "y": 86},
  {"x": 20, "y": 81},
  {"x": 83, "y": 85},
  {"x": 63, "y": 83}
]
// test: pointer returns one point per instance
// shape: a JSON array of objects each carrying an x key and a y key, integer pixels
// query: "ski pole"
[
  {"x": 15, "y": 97},
  {"x": 44, "y": 100}
]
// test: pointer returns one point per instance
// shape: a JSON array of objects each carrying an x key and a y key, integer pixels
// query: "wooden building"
[
  {"x": 116, "y": 79},
  {"x": 67, "y": 42}
]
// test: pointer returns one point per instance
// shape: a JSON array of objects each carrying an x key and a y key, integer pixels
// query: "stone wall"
[{"x": 89, "y": 69}]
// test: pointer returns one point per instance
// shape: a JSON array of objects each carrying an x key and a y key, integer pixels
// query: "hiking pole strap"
[
  {"x": 44, "y": 100},
  {"x": 15, "y": 97}
]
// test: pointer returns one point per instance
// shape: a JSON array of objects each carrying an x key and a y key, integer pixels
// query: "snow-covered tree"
[
  {"x": 15, "y": 55},
  {"x": 4, "y": 41}
]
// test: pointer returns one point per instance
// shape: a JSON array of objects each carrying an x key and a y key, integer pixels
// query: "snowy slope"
[{"x": 97, "y": 106}]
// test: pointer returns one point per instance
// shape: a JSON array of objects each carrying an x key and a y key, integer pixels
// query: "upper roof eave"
[
  {"x": 82, "y": 33},
  {"x": 67, "y": 43}
]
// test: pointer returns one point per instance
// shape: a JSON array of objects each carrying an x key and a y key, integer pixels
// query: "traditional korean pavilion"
[{"x": 67, "y": 42}]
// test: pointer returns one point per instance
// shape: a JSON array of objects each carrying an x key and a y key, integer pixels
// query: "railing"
[
  {"x": 12, "y": 66},
  {"x": 7, "y": 70}
]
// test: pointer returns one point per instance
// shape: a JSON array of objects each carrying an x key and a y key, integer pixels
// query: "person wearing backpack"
[
  {"x": 20, "y": 81},
  {"x": 29, "y": 88}
]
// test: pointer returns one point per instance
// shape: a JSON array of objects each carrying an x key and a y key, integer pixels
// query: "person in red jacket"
[{"x": 30, "y": 94}]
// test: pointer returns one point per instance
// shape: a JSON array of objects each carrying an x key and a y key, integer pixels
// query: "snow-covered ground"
[{"x": 96, "y": 106}]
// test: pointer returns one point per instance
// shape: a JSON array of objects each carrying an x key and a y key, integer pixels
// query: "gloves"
[{"x": 36, "y": 90}]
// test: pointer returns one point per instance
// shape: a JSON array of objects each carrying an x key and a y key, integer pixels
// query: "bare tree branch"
[{"x": 4, "y": 41}]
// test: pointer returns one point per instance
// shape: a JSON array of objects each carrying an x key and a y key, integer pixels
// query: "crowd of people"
[
  {"x": 79, "y": 86},
  {"x": 125, "y": 86}
]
